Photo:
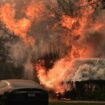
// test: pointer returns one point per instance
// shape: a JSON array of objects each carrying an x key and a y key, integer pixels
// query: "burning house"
[
  {"x": 88, "y": 82},
  {"x": 54, "y": 41}
]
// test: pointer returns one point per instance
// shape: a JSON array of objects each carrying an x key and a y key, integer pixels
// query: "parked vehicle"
[{"x": 22, "y": 92}]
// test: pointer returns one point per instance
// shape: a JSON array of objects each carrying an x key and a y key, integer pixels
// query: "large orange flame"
[
  {"x": 53, "y": 78},
  {"x": 20, "y": 27},
  {"x": 75, "y": 25}
]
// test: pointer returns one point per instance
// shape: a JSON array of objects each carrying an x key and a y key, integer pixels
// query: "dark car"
[{"x": 22, "y": 92}]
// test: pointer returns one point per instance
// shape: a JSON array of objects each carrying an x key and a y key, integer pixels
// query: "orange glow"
[
  {"x": 75, "y": 26},
  {"x": 54, "y": 76},
  {"x": 68, "y": 22},
  {"x": 20, "y": 27},
  {"x": 32, "y": 11}
]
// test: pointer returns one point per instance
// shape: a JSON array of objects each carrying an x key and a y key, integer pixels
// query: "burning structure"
[
  {"x": 86, "y": 90},
  {"x": 45, "y": 38},
  {"x": 87, "y": 81}
]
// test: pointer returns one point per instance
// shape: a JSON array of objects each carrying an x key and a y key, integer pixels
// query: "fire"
[
  {"x": 32, "y": 11},
  {"x": 68, "y": 22},
  {"x": 53, "y": 77},
  {"x": 20, "y": 27},
  {"x": 77, "y": 25},
  {"x": 25, "y": 24}
]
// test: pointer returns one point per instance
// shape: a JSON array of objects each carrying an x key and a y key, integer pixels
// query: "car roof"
[{"x": 19, "y": 84}]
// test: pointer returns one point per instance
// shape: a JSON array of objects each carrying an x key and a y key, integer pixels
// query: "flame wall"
[{"x": 51, "y": 35}]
